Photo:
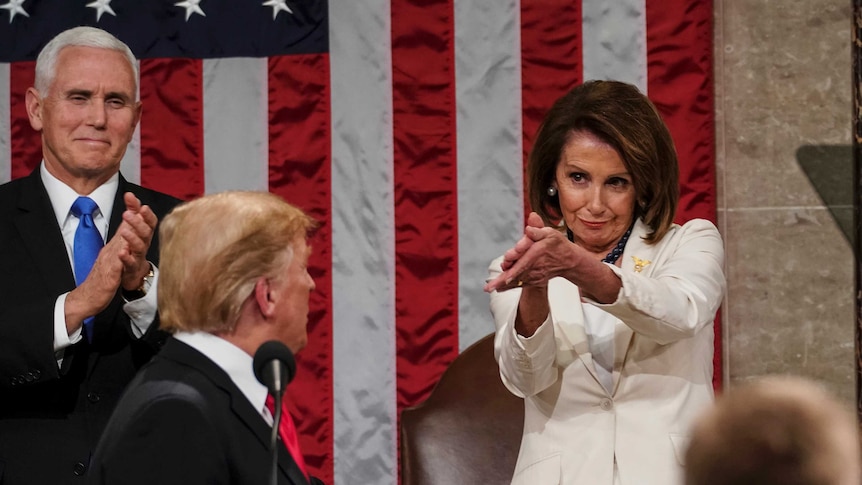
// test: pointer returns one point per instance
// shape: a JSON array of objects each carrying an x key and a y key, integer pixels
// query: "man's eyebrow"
[
  {"x": 117, "y": 94},
  {"x": 79, "y": 92}
]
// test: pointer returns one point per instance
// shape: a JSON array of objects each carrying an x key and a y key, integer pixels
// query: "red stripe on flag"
[
  {"x": 300, "y": 172},
  {"x": 25, "y": 142},
  {"x": 425, "y": 195},
  {"x": 679, "y": 80},
  {"x": 172, "y": 144},
  {"x": 551, "y": 65},
  {"x": 679, "y": 67}
]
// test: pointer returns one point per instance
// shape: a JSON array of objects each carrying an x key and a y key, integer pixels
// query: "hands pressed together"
[
  {"x": 122, "y": 262},
  {"x": 538, "y": 256}
]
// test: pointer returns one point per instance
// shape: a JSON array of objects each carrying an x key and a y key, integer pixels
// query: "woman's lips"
[{"x": 593, "y": 224}]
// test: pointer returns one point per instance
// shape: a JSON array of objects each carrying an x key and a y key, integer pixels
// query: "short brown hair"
[
  {"x": 775, "y": 431},
  {"x": 213, "y": 250},
  {"x": 622, "y": 117}
]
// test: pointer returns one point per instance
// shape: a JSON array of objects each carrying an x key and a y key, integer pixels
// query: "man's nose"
[{"x": 97, "y": 113}]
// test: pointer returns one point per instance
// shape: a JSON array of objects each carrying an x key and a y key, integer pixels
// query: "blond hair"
[{"x": 214, "y": 249}]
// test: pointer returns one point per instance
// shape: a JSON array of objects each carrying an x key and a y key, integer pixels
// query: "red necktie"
[{"x": 287, "y": 432}]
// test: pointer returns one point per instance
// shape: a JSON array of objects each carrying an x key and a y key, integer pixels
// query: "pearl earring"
[{"x": 552, "y": 191}]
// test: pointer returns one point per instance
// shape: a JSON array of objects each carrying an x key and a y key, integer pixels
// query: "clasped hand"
[
  {"x": 122, "y": 262},
  {"x": 538, "y": 256}
]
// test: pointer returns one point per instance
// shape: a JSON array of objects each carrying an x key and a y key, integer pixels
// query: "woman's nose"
[{"x": 595, "y": 201}]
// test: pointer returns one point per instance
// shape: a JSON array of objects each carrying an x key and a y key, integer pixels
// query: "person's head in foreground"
[
  {"x": 774, "y": 431},
  {"x": 234, "y": 264}
]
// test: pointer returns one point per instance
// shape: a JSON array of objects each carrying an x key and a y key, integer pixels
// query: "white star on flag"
[
  {"x": 14, "y": 7},
  {"x": 101, "y": 7},
  {"x": 191, "y": 7},
  {"x": 277, "y": 5}
]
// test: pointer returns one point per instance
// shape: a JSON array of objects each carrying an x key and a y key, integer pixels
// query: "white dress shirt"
[
  {"x": 235, "y": 362},
  {"x": 141, "y": 312}
]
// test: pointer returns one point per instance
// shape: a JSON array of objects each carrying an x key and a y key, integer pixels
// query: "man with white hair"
[{"x": 78, "y": 259}]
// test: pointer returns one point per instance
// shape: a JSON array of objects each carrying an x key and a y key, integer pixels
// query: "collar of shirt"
[
  {"x": 233, "y": 360},
  {"x": 62, "y": 197}
]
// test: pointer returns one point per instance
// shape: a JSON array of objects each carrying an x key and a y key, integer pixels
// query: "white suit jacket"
[{"x": 574, "y": 430}]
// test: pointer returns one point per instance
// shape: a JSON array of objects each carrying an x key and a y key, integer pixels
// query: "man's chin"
[
  {"x": 298, "y": 345},
  {"x": 93, "y": 166}
]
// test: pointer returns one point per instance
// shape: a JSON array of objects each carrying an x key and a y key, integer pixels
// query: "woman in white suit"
[{"x": 604, "y": 308}]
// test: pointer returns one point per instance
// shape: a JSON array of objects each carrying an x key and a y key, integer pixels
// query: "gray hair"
[{"x": 46, "y": 63}]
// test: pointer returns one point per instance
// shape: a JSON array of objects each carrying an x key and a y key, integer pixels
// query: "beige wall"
[{"x": 783, "y": 127}]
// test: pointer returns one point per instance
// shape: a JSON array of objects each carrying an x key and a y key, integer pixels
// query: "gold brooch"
[{"x": 640, "y": 264}]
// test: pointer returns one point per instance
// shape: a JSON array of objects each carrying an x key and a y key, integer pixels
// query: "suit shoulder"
[
  {"x": 700, "y": 225},
  {"x": 22, "y": 191},
  {"x": 699, "y": 228},
  {"x": 13, "y": 187}
]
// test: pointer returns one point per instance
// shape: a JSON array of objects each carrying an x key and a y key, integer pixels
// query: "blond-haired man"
[{"x": 234, "y": 276}]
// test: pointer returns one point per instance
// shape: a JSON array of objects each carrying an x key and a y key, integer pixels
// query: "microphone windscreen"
[{"x": 273, "y": 350}]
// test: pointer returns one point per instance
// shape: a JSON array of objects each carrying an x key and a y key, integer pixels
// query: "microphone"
[{"x": 274, "y": 366}]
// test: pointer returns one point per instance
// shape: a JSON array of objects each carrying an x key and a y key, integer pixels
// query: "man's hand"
[
  {"x": 136, "y": 232},
  {"x": 96, "y": 291},
  {"x": 123, "y": 261}
]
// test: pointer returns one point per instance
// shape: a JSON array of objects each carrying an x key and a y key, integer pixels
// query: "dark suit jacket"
[
  {"x": 50, "y": 418},
  {"x": 183, "y": 421}
]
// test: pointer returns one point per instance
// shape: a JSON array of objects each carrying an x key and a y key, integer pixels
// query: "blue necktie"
[{"x": 88, "y": 242}]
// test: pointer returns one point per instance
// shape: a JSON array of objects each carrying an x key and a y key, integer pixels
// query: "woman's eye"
[
  {"x": 577, "y": 177},
  {"x": 618, "y": 182}
]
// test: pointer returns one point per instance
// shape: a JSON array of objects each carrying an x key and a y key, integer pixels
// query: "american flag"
[{"x": 402, "y": 126}]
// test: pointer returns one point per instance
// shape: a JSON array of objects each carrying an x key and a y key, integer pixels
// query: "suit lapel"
[
  {"x": 40, "y": 233},
  {"x": 568, "y": 319},
  {"x": 245, "y": 413},
  {"x": 253, "y": 420},
  {"x": 638, "y": 257},
  {"x": 118, "y": 209},
  {"x": 568, "y": 314}
]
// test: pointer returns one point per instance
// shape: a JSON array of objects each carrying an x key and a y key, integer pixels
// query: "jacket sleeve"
[
  {"x": 682, "y": 293},
  {"x": 526, "y": 364}
]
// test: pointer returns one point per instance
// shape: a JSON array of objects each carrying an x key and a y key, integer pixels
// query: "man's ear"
[
  {"x": 262, "y": 297},
  {"x": 33, "y": 102}
]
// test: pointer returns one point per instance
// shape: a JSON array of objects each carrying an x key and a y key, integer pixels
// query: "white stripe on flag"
[
  {"x": 490, "y": 181},
  {"x": 614, "y": 41},
  {"x": 363, "y": 244},
  {"x": 130, "y": 165},
  {"x": 236, "y": 146},
  {"x": 5, "y": 124}
]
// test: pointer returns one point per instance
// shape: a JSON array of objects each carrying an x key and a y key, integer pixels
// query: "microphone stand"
[
  {"x": 276, "y": 419},
  {"x": 274, "y": 367}
]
